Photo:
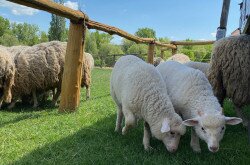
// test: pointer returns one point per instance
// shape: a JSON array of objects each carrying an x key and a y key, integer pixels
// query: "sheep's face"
[
  {"x": 170, "y": 134},
  {"x": 211, "y": 128}
]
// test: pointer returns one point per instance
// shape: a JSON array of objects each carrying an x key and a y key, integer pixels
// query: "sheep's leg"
[
  {"x": 12, "y": 104},
  {"x": 1, "y": 102},
  {"x": 130, "y": 120},
  {"x": 119, "y": 118},
  {"x": 87, "y": 92},
  {"x": 56, "y": 96},
  {"x": 241, "y": 115},
  {"x": 35, "y": 104},
  {"x": 195, "y": 143},
  {"x": 146, "y": 136}
]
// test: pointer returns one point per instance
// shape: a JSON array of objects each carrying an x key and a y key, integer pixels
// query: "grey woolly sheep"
[
  {"x": 181, "y": 58},
  {"x": 157, "y": 60},
  {"x": 140, "y": 92},
  {"x": 192, "y": 97},
  {"x": 202, "y": 66},
  {"x": 39, "y": 68},
  {"x": 229, "y": 72},
  {"x": 7, "y": 73}
]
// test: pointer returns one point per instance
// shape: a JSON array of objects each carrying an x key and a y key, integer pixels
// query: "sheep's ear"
[
  {"x": 233, "y": 120},
  {"x": 190, "y": 122},
  {"x": 165, "y": 126}
]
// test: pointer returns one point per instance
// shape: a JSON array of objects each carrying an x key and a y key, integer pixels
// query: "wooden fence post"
[
  {"x": 71, "y": 83},
  {"x": 151, "y": 49},
  {"x": 162, "y": 54},
  {"x": 174, "y": 51}
]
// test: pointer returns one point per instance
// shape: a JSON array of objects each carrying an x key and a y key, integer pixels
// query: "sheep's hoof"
[
  {"x": 196, "y": 149},
  {"x": 245, "y": 123},
  {"x": 147, "y": 147},
  {"x": 124, "y": 130},
  {"x": 11, "y": 106},
  {"x": 117, "y": 129},
  {"x": 35, "y": 105}
]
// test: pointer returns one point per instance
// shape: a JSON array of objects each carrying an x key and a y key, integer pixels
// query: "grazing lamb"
[
  {"x": 202, "y": 66},
  {"x": 140, "y": 92},
  {"x": 181, "y": 58},
  {"x": 157, "y": 60},
  {"x": 229, "y": 73},
  {"x": 38, "y": 69},
  {"x": 7, "y": 73},
  {"x": 192, "y": 97}
]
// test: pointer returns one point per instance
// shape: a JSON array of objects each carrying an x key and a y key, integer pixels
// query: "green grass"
[{"x": 43, "y": 136}]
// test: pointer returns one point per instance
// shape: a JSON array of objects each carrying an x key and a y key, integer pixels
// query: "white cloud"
[
  {"x": 72, "y": 5},
  {"x": 213, "y": 34},
  {"x": 18, "y": 9}
]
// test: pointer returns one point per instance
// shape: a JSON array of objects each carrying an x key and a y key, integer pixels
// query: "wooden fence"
[{"x": 79, "y": 21}]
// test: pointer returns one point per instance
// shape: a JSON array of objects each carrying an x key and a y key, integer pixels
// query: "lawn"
[{"x": 43, "y": 136}]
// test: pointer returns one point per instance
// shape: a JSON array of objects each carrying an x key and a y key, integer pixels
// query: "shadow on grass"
[
  {"x": 22, "y": 107},
  {"x": 99, "y": 144}
]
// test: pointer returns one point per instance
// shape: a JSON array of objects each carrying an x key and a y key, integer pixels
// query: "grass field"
[{"x": 43, "y": 136}]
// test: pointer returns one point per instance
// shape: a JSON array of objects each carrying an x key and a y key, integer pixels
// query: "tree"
[
  {"x": 8, "y": 40},
  {"x": 44, "y": 37},
  {"x": 145, "y": 33},
  {"x": 26, "y": 34},
  {"x": 57, "y": 30},
  {"x": 4, "y": 26}
]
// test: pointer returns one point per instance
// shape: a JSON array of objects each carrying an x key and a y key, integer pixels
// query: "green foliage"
[
  {"x": 146, "y": 33},
  {"x": 44, "y": 37},
  {"x": 43, "y": 136},
  {"x": 26, "y": 34},
  {"x": 4, "y": 26},
  {"x": 107, "y": 51},
  {"x": 57, "y": 30},
  {"x": 8, "y": 40}
]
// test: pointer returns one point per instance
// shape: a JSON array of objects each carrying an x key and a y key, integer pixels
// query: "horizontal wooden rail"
[
  {"x": 191, "y": 42},
  {"x": 52, "y": 7},
  {"x": 74, "y": 15}
]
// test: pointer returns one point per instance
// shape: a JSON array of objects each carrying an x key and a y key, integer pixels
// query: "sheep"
[
  {"x": 192, "y": 97},
  {"x": 229, "y": 72},
  {"x": 157, "y": 60},
  {"x": 7, "y": 73},
  {"x": 38, "y": 69},
  {"x": 181, "y": 58},
  {"x": 86, "y": 73},
  {"x": 202, "y": 66},
  {"x": 139, "y": 91}
]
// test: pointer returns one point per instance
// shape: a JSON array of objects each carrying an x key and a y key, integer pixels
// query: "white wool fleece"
[
  {"x": 193, "y": 98},
  {"x": 140, "y": 92}
]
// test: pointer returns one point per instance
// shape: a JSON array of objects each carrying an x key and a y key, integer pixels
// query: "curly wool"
[
  {"x": 181, "y": 58},
  {"x": 88, "y": 65},
  {"x": 230, "y": 68},
  {"x": 189, "y": 90},
  {"x": 7, "y": 73},
  {"x": 202, "y": 66},
  {"x": 39, "y": 68}
]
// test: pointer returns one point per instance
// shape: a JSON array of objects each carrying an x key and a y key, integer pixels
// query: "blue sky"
[{"x": 175, "y": 19}]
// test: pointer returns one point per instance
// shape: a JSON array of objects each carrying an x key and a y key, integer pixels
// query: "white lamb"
[
  {"x": 192, "y": 97},
  {"x": 140, "y": 92}
]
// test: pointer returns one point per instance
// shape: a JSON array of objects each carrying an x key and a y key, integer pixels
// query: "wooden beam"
[
  {"x": 52, "y": 7},
  {"x": 71, "y": 83},
  {"x": 192, "y": 42},
  {"x": 151, "y": 51},
  {"x": 224, "y": 13},
  {"x": 222, "y": 29}
]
